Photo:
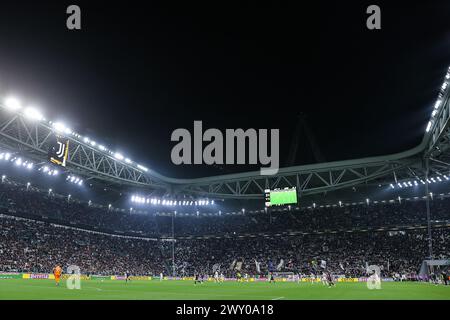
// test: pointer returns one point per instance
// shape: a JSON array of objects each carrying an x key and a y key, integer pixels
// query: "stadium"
[{"x": 80, "y": 219}]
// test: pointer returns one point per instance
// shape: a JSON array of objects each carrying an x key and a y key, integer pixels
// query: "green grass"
[{"x": 13, "y": 289}]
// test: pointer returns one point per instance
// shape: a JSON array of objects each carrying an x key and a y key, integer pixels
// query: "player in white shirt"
[
  {"x": 324, "y": 279},
  {"x": 216, "y": 276},
  {"x": 161, "y": 276}
]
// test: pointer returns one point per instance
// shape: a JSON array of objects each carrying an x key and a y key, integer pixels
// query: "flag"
[
  {"x": 257, "y": 264},
  {"x": 58, "y": 151},
  {"x": 280, "y": 265}
]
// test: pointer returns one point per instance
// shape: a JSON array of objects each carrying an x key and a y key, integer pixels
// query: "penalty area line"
[{"x": 279, "y": 298}]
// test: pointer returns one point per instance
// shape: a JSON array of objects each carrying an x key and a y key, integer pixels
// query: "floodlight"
[
  {"x": 127, "y": 160},
  {"x": 7, "y": 156},
  {"x": 437, "y": 104},
  {"x": 102, "y": 148},
  {"x": 428, "y": 126},
  {"x": 59, "y": 126},
  {"x": 33, "y": 114},
  {"x": 12, "y": 104},
  {"x": 142, "y": 168},
  {"x": 118, "y": 156}
]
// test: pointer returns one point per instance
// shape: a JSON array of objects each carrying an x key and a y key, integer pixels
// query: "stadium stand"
[{"x": 39, "y": 231}]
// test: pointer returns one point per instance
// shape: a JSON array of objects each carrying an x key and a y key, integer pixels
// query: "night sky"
[{"x": 135, "y": 73}]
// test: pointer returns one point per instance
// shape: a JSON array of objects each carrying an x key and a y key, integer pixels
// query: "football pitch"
[{"x": 20, "y": 289}]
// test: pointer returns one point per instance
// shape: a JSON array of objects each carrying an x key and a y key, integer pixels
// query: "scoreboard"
[{"x": 279, "y": 197}]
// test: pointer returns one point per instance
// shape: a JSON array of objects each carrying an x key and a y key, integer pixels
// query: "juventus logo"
[
  {"x": 58, "y": 153},
  {"x": 61, "y": 149}
]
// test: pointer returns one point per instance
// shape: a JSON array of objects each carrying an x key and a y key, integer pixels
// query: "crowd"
[
  {"x": 37, "y": 205},
  {"x": 39, "y": 231}
]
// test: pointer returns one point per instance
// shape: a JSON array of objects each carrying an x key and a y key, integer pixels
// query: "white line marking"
[{"x": 279, "y": 298}]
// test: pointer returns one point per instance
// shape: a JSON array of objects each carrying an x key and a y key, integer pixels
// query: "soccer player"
[
  {"x": 196, "y": 279},
  {"x": 444, "y": 277},
  {"x": 313, "y": 278},
  {"x": 324, "y": 278},
  {"x": 161, "y": 276},
  {"x": 222, "y": 277},
  {"x": 271, "y": 278},
  {"x": 57, "y": 271},
  {"x": 216, "y": 276},
  {"x": 127, "y": 277},
  {"x": 246, "y": 277},
  {"x": 238, "y": 277},
  {"x": 330, "y": 279},
  {"x": 299, "y": 278}
]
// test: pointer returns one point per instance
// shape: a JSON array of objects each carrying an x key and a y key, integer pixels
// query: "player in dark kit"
[
  {"x": 330, "y": 279},
  {"x": 127, "y": 277},
  {"x": 271, "y": 278},
  {"x": 445, "y": 277},
  {"x": 197, "y": 279}
]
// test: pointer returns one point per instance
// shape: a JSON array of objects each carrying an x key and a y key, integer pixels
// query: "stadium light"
[
  {"x": 12, "y": 103},
  {"x": 33, "y": 114},
  {"x": 59, "y": 126},
  {"x": 142, "y": 168},
  {"x": 118, "y": 156},
  {"x": 127, "y": 160},
  {"x": 3, "y": 178}
]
